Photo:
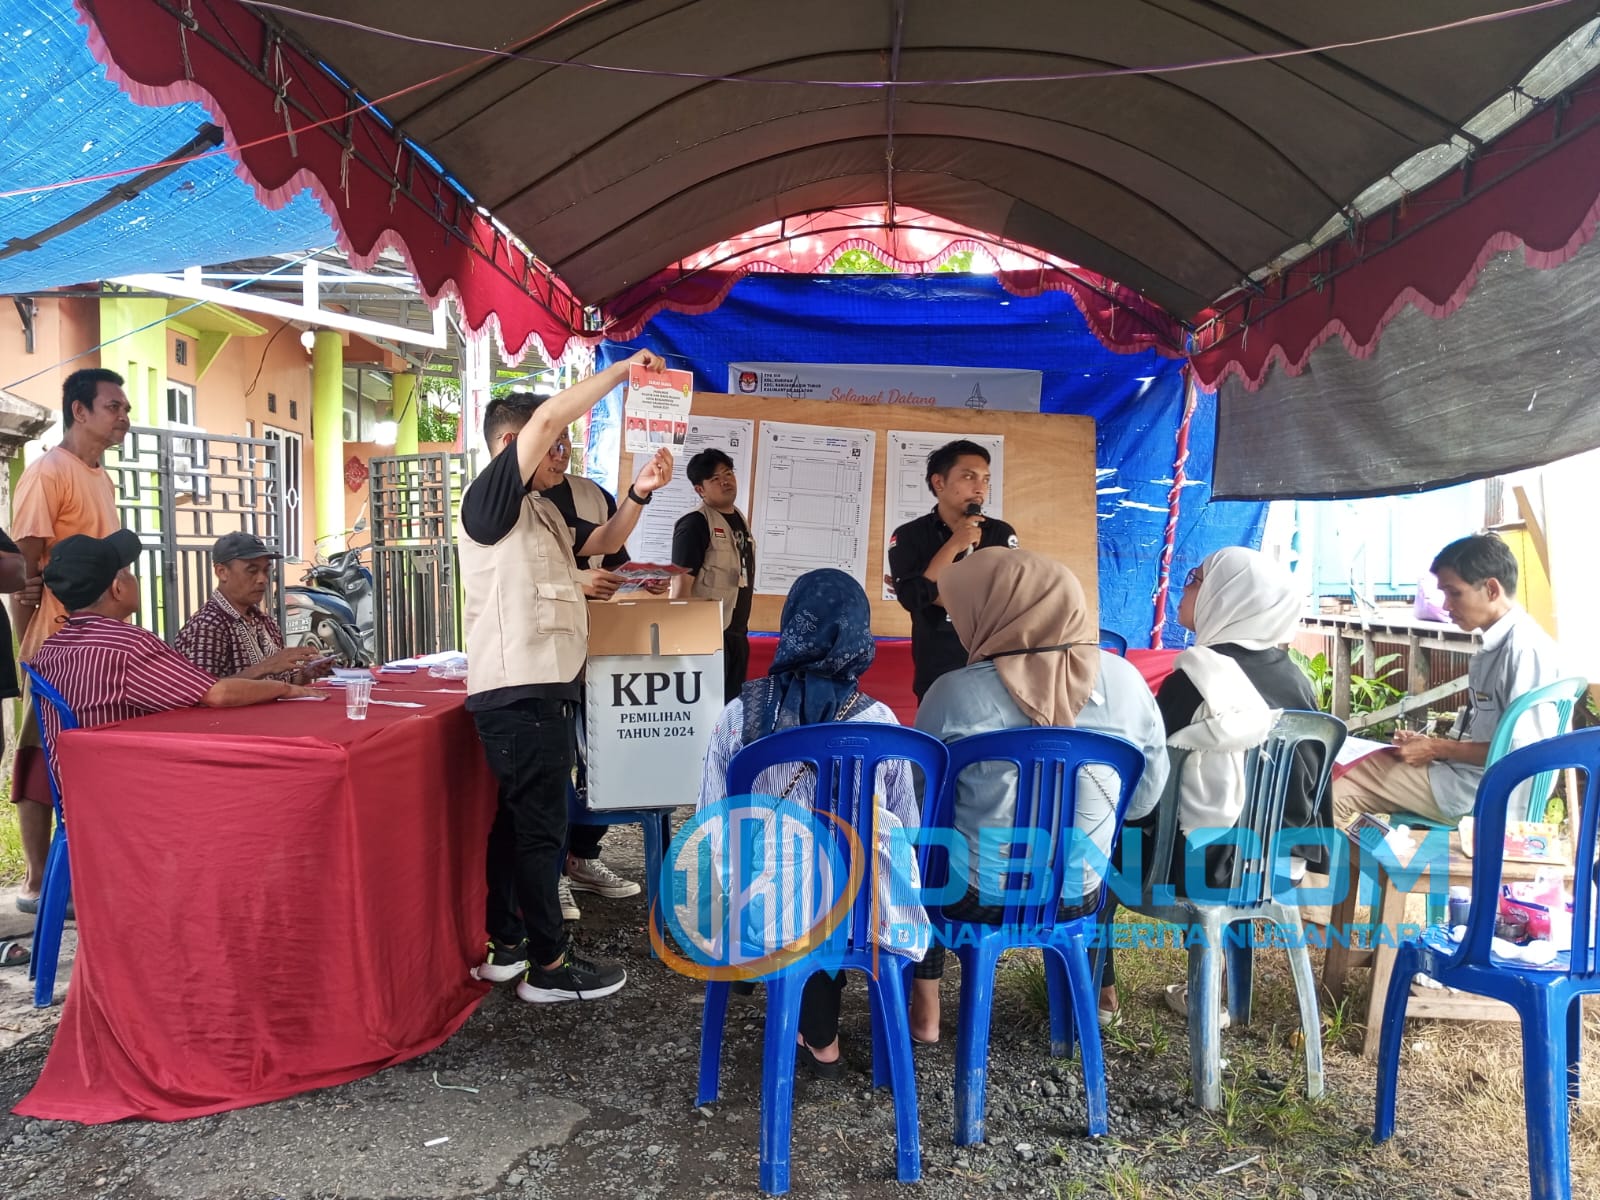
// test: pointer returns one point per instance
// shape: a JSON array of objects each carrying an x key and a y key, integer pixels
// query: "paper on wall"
[
  {"x": 652, "y": 536},
  {"x": 813, "y": 502}
]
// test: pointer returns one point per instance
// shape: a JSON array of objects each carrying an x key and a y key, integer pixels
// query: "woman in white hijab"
[{"x": 1225, "y": 694}]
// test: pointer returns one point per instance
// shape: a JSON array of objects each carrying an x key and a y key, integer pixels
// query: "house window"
[
  {"x": 180, "y": 352},
  {"x": 294, "y": 410},
  {"x": 290, "y": 456},
  {"x": 180, "y": 404},
  {"x": 272, "y": 401}
]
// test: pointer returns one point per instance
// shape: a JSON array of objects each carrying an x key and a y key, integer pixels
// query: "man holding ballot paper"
[{"x": 527, "y": 638}]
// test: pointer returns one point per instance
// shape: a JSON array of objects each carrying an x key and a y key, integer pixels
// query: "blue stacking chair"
[
  {"x": 845, "y": 757},
  {"x": 1113, "y": 641},
  {"x": 1251, "y": 895},
  {"x": 657, "y": 834},
  {"x": 1047, "y": 760},
  {"x": 1548, "y": 999},
  {"x": 1564, "y": 694},
  {"x": 57, "y": 888}
]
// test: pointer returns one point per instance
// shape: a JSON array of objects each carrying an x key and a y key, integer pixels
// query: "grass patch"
[
  {"x": 11, "y": 864},
  {"x": 1461, "y": 1117}
]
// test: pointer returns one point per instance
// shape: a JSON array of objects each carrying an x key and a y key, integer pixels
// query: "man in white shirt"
[{"x": 1437, "y": 777}]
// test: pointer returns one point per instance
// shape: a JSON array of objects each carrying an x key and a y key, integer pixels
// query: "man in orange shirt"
[{"x": 65, "y": 492}]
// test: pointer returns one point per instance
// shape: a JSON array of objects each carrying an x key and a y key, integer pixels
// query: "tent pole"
[{"x": 1191, "y": 397}]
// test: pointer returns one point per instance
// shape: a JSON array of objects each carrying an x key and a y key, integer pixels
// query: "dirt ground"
[{"x": 597, "y": 1100}]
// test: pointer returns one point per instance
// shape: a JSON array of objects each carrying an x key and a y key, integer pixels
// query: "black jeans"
[
  {"x": 735, "y": 663},
  {"x": 819, "y": 1008},
  {"x": 530, "y": 747}
]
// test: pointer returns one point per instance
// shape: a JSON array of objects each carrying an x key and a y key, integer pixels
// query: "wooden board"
[{"x": 1049, "y": 481}]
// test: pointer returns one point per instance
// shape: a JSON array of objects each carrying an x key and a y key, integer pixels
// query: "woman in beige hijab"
[{"x": 1033, "y": 659}]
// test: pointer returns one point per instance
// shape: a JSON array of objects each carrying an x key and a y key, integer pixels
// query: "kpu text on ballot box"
[{"x": 652, "y": 694}]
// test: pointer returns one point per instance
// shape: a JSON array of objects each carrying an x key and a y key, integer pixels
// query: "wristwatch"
[{"x": 638, "y": 499}]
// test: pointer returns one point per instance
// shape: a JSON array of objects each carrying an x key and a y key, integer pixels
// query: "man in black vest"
[{"x": 714, "y": 545}]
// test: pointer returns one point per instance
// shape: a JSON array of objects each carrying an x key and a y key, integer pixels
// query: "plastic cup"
[{"x": 357, "y": 695}]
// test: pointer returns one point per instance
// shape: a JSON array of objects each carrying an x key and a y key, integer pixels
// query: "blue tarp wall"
[{"x": 1136, "y": 400}]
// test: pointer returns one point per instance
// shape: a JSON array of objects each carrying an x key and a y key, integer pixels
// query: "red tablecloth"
[
  {"x": 269, "y": 900},
  {"x": 890, "y": 676},
  {"x": 1154, "y": 665}
]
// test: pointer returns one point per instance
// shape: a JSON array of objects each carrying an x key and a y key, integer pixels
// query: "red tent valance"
[
  {"x": 378, "y": 189},
  {"x": 1535, "y": 187},
  {"x": 1123, "y": 320}
]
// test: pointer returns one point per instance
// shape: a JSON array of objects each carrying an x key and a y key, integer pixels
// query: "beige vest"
[
  {"x": 718, "y": 576},
  {"x": 589, "y": 503},
  {"x": 525, "y": 621}
]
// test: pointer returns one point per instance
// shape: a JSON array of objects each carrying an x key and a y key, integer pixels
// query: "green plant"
[
  {"x": 1368, "y": 693},
  {"x": 859, "y": 262}
]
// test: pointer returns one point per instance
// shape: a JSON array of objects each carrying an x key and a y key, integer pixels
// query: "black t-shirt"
[
  {"x": 489, "y": 511},
  {"x": 935, "y": 648},
  {"x": 561, "y": 497},
  {"x": 8, "y": 662},
  {"x": 691, "y": 538},
  {"x": 1282, "y": 685}
]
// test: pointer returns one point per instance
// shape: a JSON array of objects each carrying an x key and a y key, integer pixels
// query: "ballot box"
[{"x": 652, "y": 693}]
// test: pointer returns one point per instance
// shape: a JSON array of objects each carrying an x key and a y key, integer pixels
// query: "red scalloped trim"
[
  {"x": 1531, "y": 190},
  {"x": 307, "y": 179}
]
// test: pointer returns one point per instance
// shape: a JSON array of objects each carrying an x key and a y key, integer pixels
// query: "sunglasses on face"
[{"x": 1194, "y": 577}]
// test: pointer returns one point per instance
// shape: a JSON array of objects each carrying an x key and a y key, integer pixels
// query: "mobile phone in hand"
[{"x": 321, "y": 661}]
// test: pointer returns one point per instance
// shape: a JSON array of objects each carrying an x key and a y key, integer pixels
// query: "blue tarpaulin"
[
  {"x": 971, "y": 321},
  {"x": 62, "y": 119}
]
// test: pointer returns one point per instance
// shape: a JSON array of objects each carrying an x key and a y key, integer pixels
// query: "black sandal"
[
  {"x": 807, "y": 1059},
  {"x": 14, "y": 954}
]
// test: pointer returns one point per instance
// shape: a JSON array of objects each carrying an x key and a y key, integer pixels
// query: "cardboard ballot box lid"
[{"x": 654, "y": 627}]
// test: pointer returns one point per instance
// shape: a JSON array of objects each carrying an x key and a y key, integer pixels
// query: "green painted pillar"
[
  {"x": 327, "y": 436},
  {"x": 406, "y": 399}
]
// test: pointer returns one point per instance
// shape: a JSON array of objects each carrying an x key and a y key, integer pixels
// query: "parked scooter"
[{"x": 333, "y": 609}]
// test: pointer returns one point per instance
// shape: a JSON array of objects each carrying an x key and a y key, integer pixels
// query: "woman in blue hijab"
[{"x": 824, "y": 645}]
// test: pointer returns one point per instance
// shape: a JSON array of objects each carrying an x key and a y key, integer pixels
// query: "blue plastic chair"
[
  {"x": 57, "y": 887},
  {"x": 657, "y": 834},
  {"x": 1548, "y": 999},
  {"x": 1113, "y": 641},
  {"x": 845, "y": 757},
  {"x": 1047, "y": 761},
  {"x": 1251, "y": 894},
  {"x": 1564, "y": 694}
]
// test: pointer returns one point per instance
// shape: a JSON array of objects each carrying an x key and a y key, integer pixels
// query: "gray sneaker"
[
  {"x": 569, "y": 907},
  {"x": 592, "y": 875}
]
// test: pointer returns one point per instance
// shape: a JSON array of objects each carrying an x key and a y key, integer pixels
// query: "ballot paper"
[{"x": 655, "y": 410}]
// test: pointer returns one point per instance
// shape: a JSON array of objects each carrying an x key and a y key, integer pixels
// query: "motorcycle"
[{"x": 333, "y": 608}]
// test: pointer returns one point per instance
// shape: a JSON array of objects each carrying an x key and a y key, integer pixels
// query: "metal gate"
[
  {"x": 180, "y": 490},
  {"x": 414, "y": 499}
]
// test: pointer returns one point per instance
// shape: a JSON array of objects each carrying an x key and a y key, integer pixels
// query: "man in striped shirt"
[{"x": 107, "y": 670}]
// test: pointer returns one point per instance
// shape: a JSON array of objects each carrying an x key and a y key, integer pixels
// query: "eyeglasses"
[
  {"x": 561, "y": 449},
  {"x": 1194, "y": 577}
]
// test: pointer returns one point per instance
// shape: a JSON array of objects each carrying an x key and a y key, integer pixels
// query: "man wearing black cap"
[
  {"x": 107, "y": 670},
  {"x": 230, "y": 636}
]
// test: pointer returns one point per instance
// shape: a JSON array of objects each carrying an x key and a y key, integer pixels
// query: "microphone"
[{"x": 974, "y": 509}]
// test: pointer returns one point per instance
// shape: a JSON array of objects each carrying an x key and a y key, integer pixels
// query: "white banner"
[{"x": 995, "y": 389}]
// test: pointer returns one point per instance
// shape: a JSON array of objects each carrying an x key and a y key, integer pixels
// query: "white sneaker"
[
  {"x": 592, "y": 875},
  {"x": 569, "y": 907},
  {"x": 503, "y": 963}
]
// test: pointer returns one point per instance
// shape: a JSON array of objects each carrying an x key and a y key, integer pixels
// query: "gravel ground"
[{"x": 597, "y": 1101}]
